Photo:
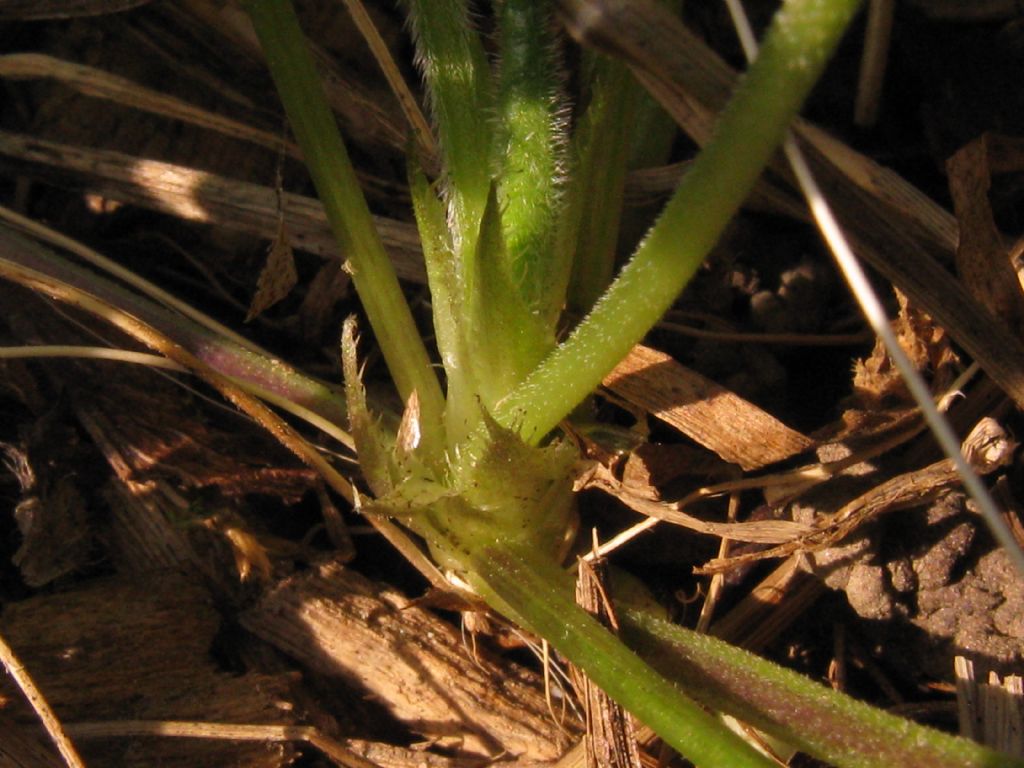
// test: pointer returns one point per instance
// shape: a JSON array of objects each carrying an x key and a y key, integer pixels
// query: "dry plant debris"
[
  {"x": 923, "y": 580},
  {"x": 143, "y": 646},
  {"x": 340, "y": 625}
]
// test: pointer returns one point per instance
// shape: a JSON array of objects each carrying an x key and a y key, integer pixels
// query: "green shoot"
[{"x": 313, "y": 124}]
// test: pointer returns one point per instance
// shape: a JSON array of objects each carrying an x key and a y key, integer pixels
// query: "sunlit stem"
[{"x": 309, "y": 115}]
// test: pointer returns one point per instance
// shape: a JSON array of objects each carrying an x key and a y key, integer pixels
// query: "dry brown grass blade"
[
  {"x": 873, "y": 62},
  {"x": 720, "y": 420},
  {"x": 26, "y": 10},
  {"x": 895, "y": 228},
  {"x": 363, "y": 115},
  {"x": 103, "y": 85},
  {"x": 200, "y": 196}
]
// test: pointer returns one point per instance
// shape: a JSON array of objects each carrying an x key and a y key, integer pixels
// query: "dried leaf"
[
  {"x": 324, "y": 292},
  {"x": 877, "y": 382},
  {"x": 982, "y": 258},
  {"x": 56, "y": 534},
  {"x": 278, "y": 276}
]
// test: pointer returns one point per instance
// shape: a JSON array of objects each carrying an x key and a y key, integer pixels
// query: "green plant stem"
[
  {"x": 802, "y": 36},
  {"x": 536, "y": 593},
  {"x": 594, "y": 212},
  {"x": 458, "y": 78},
  {"x": 821, "y": 722},
  {"x": 531, "y": 142},
  {"x": 298, "y": 84},
  {"x": 253, "y": 370}
]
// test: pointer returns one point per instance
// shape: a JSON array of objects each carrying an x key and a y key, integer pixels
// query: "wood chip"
[
  {"x": 342, "y": 625},
  {"x": 710, "y": 414},
  {"x": 139, "y": 648}
]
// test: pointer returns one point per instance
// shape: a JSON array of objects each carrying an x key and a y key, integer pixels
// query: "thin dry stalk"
[
  {"x": 410, "y": 107},
  {"x": 873, "y": 62},
  {"x": 334, "y": 749},
  {"x": 763, "y": 532},
  {"x": 36, "y": 699}
]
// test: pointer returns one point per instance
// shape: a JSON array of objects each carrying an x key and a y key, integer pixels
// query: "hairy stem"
[{"x": 803, "y": 35}]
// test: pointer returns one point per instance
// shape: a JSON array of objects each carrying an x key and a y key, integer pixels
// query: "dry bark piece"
[
  {"x": 139, "y": 648},
  {"x": 20, "y": 747},
  {"x": 130, "y": 417},
  {"x": 718, "y": 419},
  {"x": 51, "y": 515},
  {"x": 340, "y": 624},
  {"x": 24, "y": 748},
  {"x": 991, "y": 712}
]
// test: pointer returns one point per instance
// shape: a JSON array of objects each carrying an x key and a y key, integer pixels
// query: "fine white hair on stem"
[{"x": 875, "y": 314}]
